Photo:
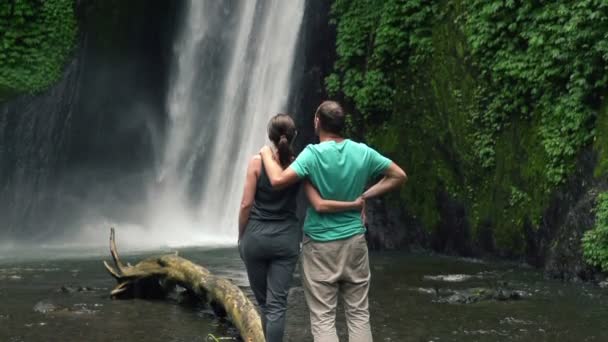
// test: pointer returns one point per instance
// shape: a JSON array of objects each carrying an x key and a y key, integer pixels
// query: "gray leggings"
[{"x": 270, "y": 252}]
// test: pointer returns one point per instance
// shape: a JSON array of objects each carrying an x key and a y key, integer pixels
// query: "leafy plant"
[
  {"x": 375, "y": 39},
  {"x": 595, "y": 241},
  {"x": 544, "y": 61},
  {"x": 35, "y": 39}
]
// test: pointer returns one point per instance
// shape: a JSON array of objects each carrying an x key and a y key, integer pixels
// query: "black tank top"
[{"x": 271, "y": 204}]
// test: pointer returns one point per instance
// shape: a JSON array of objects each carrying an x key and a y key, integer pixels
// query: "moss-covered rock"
[{"x": 486, "y": 153}]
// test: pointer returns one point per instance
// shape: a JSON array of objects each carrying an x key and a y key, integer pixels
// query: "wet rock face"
[
  {"x": 565, "y": 258},
  {"x": 314, "y": 61},
  {"x": 453, "y": 234},
  {"x": 390, "y": 227},
  {"x": 556, "y": 245},
  {"x": 385, "y": 230},
  {"x": 111, "y": 95}
]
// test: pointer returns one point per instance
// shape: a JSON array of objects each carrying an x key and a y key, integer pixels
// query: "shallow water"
[{"x": 402, "y": 299}]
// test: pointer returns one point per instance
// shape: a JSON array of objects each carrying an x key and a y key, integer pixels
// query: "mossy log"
[{"x": 157, "y": 276}]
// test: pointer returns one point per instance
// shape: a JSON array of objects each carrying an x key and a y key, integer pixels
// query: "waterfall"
[{"x": 231, "y": 73}]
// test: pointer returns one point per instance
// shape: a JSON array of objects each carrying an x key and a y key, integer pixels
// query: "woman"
[{"x": 269, "y": 234}]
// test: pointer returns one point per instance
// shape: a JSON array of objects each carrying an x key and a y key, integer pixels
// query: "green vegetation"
[
  {"x": 489, "y": 101},
  {"x": 377, "y": 42},
  {"x": 595, "y": 241},
  {"x": 544, "y": 61},
  {"x": 36, "y": 37}
]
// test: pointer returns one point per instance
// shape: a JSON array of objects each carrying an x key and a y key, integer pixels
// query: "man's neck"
[{"x": 324, "y": 136}]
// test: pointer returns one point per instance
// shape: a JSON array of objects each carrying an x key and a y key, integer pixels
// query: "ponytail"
[
  {"x": 285, "y": 151},
  {"x": 282, "y": 132}
]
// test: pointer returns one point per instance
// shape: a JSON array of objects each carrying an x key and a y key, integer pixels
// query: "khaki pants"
[{"x": 332, "y": 268}]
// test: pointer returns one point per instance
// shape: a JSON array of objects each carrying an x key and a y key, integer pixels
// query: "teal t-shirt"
[{"x": 340, "y": 171}]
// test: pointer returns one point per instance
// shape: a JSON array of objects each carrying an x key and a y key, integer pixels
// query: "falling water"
[{"x": 232, "y": 72}]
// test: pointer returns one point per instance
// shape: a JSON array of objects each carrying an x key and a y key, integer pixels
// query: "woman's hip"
[{"x": 271, "y": 240}]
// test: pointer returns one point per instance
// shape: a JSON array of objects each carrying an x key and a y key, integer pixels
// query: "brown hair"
[
  {"x": 331, "y": 117},
  {"x": 282, "y": 131}
]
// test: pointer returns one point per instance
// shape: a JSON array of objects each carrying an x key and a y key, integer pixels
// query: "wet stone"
[
  {"x": 30, "y": 325},
  {"x": 451, "y": 278},
  {"x": 80, "y": 309},
  {"x": 515, "y": 321},
  {"x": 437, "y": 291},
  {"x": 475, "y": 295},
  {"x": 45, "y": 307},
  {"x": 75, "y": 288}
]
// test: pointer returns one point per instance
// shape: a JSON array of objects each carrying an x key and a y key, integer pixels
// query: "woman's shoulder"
[{"x": 255, "y": 163}]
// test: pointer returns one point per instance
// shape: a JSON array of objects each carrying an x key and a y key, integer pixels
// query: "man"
[{"x": 334, "y": 253}]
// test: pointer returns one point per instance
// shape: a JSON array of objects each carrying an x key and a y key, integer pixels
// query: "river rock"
[
  {"x": 478, "y": 294},
  {"x": 80, "y": 309},
  {"x": 451, "y": 278},
  {"x": 434, "y": 291},
  {"x": 45, "y": 307},
  {"x": 77, "y": 288}
]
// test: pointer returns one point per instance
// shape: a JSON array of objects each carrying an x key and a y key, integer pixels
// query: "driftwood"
[{"x": 155, "y": 277}]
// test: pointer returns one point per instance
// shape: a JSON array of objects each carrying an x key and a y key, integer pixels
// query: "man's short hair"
[{"x": 331, "y": 117}]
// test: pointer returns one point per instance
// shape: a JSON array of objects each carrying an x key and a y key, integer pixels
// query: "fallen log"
[{"x": 155, "y": 277}]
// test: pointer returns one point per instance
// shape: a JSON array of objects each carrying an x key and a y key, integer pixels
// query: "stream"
[{"x": 64, "y": 297}]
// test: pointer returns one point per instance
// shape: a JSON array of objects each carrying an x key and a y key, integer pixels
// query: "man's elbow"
[
  {"x": 397, "y": 176},
  {"x": 274, "y": 182},
  {"x": 402, "y": 177},
  {"x": 277, "y": 183}
]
